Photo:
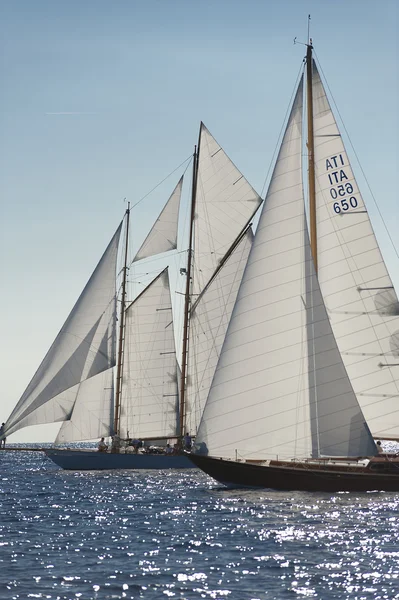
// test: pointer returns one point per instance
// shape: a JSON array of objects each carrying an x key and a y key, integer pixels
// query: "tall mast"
[
  {"x": 310, "y": 144},
  {"x": 187, "y": 293},
  {"x": 121, "y": 330}
]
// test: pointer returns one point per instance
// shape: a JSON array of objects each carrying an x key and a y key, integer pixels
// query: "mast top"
[{"x": 309, "y": 42}]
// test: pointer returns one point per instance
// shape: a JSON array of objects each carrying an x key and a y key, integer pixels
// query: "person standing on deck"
[
  {"x": 187, "y": 442},
  {"x": 2, "y": 439}
]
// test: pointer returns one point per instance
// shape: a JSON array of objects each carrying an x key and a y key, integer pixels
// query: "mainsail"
[
  {"x": 280, "y": 387},
  {"x": 361, "y": 302},
  {"x": 84, "y": 348},
  {"x": 149, "y": 401}
]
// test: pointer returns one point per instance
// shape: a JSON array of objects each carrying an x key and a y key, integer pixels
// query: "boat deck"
[{"x": 23, "y": 449}]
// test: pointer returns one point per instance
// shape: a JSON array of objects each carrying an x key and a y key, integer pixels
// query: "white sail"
[
  {"x": 209, "y": 319},
  {"x": 149, "y": 391},
  {"x": 92, "y": 413},
  {"x": 84, "y": 347},
  {"x": 163, "y": 234},
  {"x": 225, "y": 202},
  {"x": 280, "y": 387},
  {"x": 358, "y": 292},
  {"x": 85, "y": 410}
]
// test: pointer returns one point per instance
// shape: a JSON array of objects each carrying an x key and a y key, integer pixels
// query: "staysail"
[
  {"x": 163, "y": 234},
  {"x": 149, "y": 401},
  {"x": 209, "y": 318},
  {"x": 361, "y": 302},
  {"x": 225, "y": 203},
  {"x": 92, "y": 411},
  {"x": 280, "y": 387},
  {"x": 84, "y": 347}
]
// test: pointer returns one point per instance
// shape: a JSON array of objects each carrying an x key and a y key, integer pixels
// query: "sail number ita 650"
[{"x": 341, "y": 189}]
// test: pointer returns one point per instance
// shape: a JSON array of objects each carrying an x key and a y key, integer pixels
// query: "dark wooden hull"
[{"x": 304, "y": 477}]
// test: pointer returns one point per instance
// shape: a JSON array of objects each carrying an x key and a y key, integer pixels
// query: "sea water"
[{"x": 179, "y": 534}]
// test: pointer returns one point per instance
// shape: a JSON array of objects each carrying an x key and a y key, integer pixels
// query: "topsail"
[
  {"x": 163, "y": 234},
  {"x": 225, "y": 204}
]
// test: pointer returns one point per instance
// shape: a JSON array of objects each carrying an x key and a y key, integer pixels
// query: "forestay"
[
  {"x": 358, "y": 292},
  {"x": 225, "y": 203},
  {"x": 280, "y": 387},
  {"x": 149, "y": 405},
  {"x": 163, "y": 234},
  {"x": 84, "y": 347},
  {"x": 209, "y": 318}
]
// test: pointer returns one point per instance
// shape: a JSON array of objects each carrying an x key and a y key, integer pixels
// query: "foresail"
[
  {"x": 84, "y": 347},
  {"x": 93, "y": 410},
  {"x": 225, "y": 203},
  {"x": 209, "y": 319},
  {"x": 358, "y": 292},
  {"x": 280, "y": 388},
  {"x": 163, "y": 235},
  {"x": 85, "y": 410},
  {"x": 149, "y": 402}
]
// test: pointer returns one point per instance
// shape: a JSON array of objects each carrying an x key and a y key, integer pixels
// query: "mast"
[
  {"x": 121, "y": 330},
  {"x": 187, "y": 293},
  {"x": 310, "y": 145}
]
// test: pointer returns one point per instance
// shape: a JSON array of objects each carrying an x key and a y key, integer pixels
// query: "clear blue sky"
[{"x": 138, "y": 76}]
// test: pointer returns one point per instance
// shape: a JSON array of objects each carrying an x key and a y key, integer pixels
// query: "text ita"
[{"x": 342, "y": 192}]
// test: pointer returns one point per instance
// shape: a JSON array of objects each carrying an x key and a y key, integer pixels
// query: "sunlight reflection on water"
[{"x": 179, "y": 535}]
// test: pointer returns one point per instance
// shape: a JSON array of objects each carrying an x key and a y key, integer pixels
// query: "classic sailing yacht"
[
  {"x": 75, "y": 382},
  {"x": 308, "y": 371}
]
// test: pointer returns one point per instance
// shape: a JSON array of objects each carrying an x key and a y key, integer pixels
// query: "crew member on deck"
[
  {"x": 3, "y": 440},
  {"x": 379, "y": 447},
  {"x": 187, "y": 441},
  {"x": 102, "y": 446}
]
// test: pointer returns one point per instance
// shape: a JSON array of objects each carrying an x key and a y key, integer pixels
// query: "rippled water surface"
[{"x": 161, "y": 534}]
